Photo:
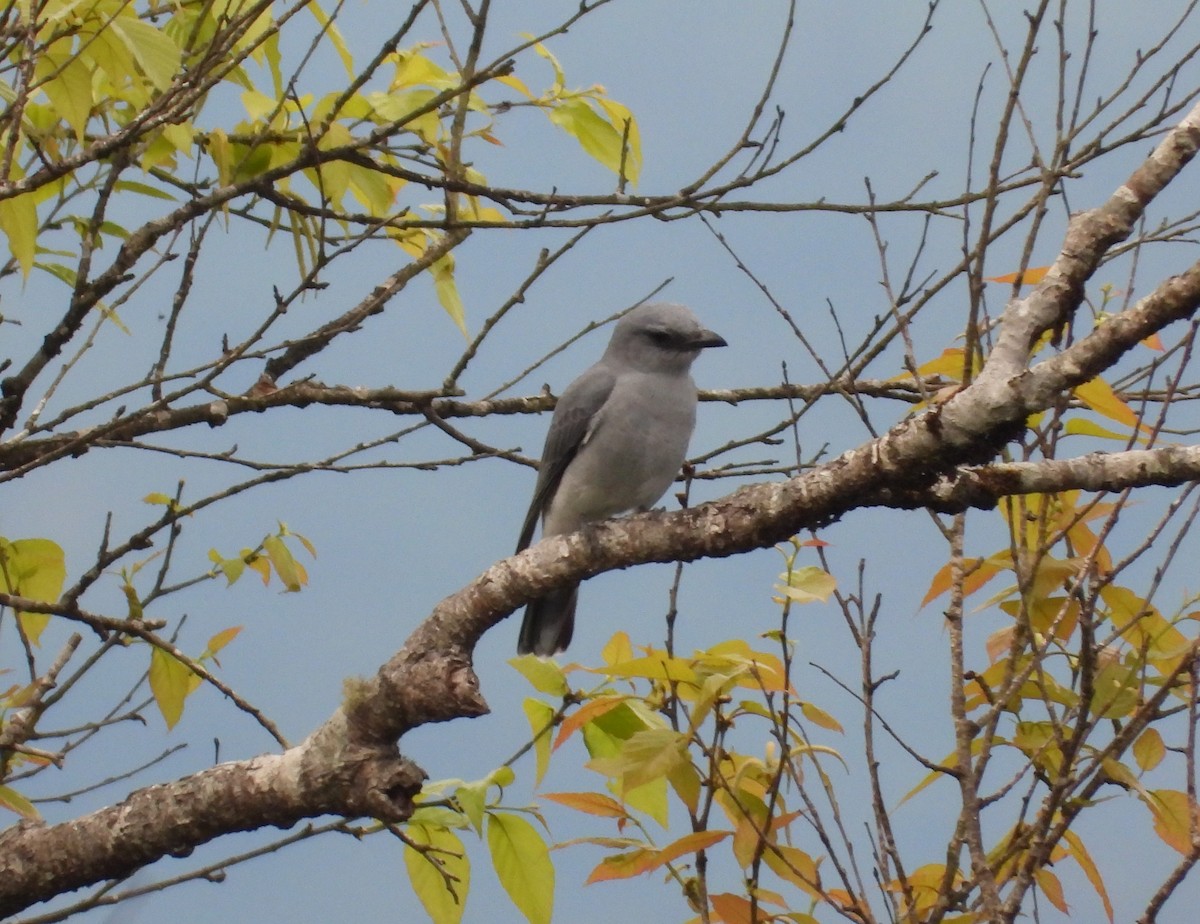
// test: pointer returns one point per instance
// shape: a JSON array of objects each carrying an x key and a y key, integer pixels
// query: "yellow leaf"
[
  {"x": 626, "y": 127},
  {"x": 795, "y": 866},
  {"x": 1080, "y": 853},
  {"x": 443, "y": 896},
  {"x": 808, "y": 584},
  {"x": 1175, "y": 818},
  {"x": 541, "y": 723},
  {"x": 33, "y": 568},
  {"x": 170, "y": 682},
  {"x": 15, "y": 802},
  {"x": 154, "y": 51},
  {"x": 335, "y": 37},
  {"x": 522, "y": 865},
  {"x": 1099, "y": 396},
  {"x": 290, "y": 571},
  {"x": 1082, "y": 426},
  {"x": 1149, "y": 749},
  {"x": 594, "y": 134},
  {"x": 1052, "y": 889},
  {"x": 559, "y": 80},
  {"x": 646, "y": 755},
  {"x": 447, "y": 291},
  {"x": 652, "y": 667},
  {"x": 617, "y": 649},
  {"x": 67, "y": 82},
  {"x": 545, "y": 675},
  {"x": 19, "y": 222},
  {"x": 820, "y": 717}
]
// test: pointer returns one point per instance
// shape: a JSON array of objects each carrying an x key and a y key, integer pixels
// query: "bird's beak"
[{"x": 707, "y": 338}]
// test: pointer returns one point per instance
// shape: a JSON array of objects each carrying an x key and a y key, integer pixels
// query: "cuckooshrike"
[{"x": 616, "y": 442}]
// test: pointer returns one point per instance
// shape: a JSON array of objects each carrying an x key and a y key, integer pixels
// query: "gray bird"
[{"x": 617, "y": 440}]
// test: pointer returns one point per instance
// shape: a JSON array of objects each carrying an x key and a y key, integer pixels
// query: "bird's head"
[{"x": 660, "y": 337}]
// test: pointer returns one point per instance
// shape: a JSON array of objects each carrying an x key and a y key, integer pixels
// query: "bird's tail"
[{"x": 549, "y": 623}]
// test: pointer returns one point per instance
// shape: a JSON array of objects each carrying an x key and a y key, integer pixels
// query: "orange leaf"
[
  {"x": 978, "y": 572},
  {"x": 593, "y": 803},
  {"x": 1031, "y": 276},
  {"x": 645, "y": 859},
  {"x": 1052, "y": 889},
  {"x": 584, "y": 714},
  {"x": 732, "y": 909}
]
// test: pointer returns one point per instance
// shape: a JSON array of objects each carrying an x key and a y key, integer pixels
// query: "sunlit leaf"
[
  {"x": 648, "y": 755},
  {"x": 156, "y": 54},
  {"x": 808, "y": 584},
  {"x": 170, "y": 682},
  {"x": 545, "y": 675},
  {"x": 1100, "y": 397},
  {"x": 443, "y": 900},
  {"x": 67, "y": 82},
  {"x": 595, "y": 134},
  {"x": 1085, "y": 426},
  {"x": 523, "y": 865},
  {"x": 35, "y": 569},
  {"x": 541, "y": 724},
  {"x": 290, "y": 571},
  {"x": 977, "y": 571}
]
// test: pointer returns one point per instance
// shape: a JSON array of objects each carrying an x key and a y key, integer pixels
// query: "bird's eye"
[{"x": 660, "y": 338}]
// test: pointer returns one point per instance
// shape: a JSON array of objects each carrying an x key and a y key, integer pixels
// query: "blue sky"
[{"x": 392, "y": 543}]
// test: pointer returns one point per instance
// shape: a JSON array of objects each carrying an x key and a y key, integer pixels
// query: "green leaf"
[
  {"x": 809, "y": 584},
  {"x": 68, "y": 85},
  {"x": 170, "y": 682},
  {"x": 290, "y": 571},
  {"x": 596, "y": 136},
  {"x": 443, "y": 893},
  {"x": 523, "y": 865},
  {"x": 626, "y": 126},
  {"x": 545, "y": 675},
  {"x": 15, "y": 802},
  {"x": 33, "y": 568},
  {"x": 156, "y": 54},
  {"x": 19, "y": 222},
  {"x": 447, "y": 290},
  {"x": 232, "y": 568},
  {"x": 541, "y": 720}
]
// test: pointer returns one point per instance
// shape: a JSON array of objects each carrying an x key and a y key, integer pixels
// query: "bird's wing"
[{"x": 569, "y": 430}]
